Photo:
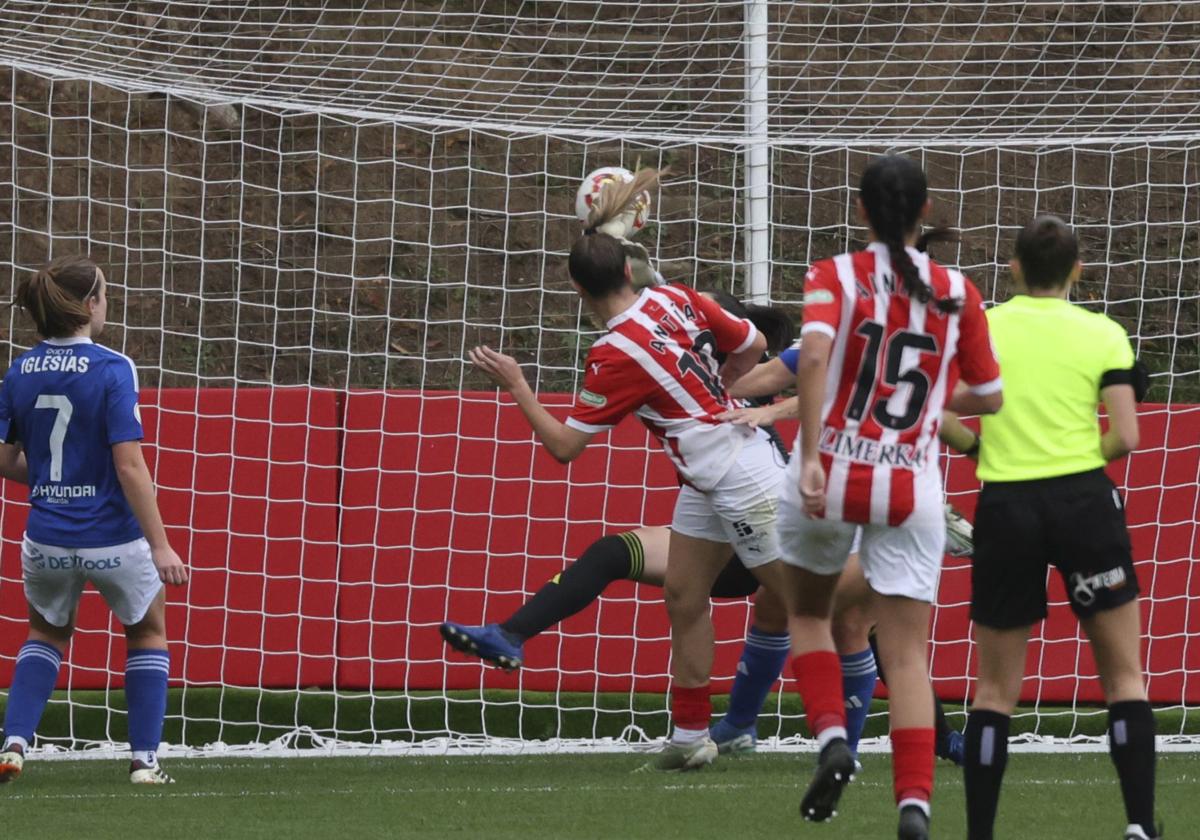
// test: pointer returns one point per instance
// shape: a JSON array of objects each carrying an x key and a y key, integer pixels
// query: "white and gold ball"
[{"x": 627, "y": 224}]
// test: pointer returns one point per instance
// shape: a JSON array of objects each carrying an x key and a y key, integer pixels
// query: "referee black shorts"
[{"x": 1075, "y": 523}]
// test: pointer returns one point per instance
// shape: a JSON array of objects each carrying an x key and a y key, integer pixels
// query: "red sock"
[
  {"x": 691, "y": 708},
  {"x": 912, "y": 763},
  {"x": 819, "y": 681}
]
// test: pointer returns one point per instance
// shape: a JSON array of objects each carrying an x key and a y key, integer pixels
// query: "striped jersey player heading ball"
[{"x": 658, "y": 360}]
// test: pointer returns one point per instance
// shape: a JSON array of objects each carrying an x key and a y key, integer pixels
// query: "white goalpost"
[{"x": 309, "y": 211}]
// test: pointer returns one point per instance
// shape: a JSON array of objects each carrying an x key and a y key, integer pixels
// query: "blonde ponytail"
[{"x": 618, "y": 197}]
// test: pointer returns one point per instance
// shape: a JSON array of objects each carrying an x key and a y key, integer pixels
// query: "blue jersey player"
[{"x": 70, "y": 429}]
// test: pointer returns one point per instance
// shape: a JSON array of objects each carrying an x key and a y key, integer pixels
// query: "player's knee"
[
  {"x": 775, "y": 623},
  {"x": 851, "y": 629},
  {"x": 683, "y": 601},
  {"x": 809, "y": 627},
  {"x": 770, "y": 615},
  {"x": 995, "y": 696},
  {"x": 59, "y": 637},
  {"x": 150, "y": 632},
  {"x": 145, "y": 638}
]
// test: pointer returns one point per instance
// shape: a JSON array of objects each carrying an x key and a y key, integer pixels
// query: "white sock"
[
  {"x": 147, "y": 757},
  {"x": 18, "y": 740},
  {"x": 920, "y": 803},
  {"x": 828, "y": 734},
  {"x": 687, "y": 736}
]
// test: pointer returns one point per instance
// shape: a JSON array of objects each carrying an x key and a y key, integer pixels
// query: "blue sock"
[
  {"x": 858, "y": 686},
  {"x": 32, "y": 683},
  {"x": 146, "y": 696},
  {"x": 762, "y": 662}
]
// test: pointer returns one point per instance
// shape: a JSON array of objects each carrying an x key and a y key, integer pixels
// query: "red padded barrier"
[
  {"x": 247, "y": 484},
  {"x": 330, "y": 532}
]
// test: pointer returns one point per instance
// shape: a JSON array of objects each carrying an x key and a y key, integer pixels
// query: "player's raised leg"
[{"x": 639, "y": 555}]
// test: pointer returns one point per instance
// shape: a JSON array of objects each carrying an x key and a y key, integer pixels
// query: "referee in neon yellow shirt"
[{"x": 1046, "y": 500}]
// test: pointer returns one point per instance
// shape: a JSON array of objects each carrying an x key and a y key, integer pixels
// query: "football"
[{"x": 628, "y": 223}]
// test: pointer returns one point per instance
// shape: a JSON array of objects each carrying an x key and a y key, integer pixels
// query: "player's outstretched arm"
[
  {"x": 139, "y": 492},
  {"x": 561, "y": 441},
  {"x": 740, "y": 362},
  {"x": 763, "y": 380},
  {"x": 12, "y": 463}
]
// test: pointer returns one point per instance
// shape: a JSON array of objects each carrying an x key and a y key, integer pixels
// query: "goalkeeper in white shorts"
[{"x": 71, "y": 430}]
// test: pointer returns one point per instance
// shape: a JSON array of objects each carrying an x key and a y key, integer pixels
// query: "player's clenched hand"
[
  {"x": 170, "y": 568},
  {"x": 812, "y": 486},
  {"x": 502, "y": 369},
  {"x": 762, "y": 415}
]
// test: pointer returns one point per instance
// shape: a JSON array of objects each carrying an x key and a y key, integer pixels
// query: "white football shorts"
[
  {"x": 904, "y": 560},
  {"x": 123, "y": 574},
  {"x": 741, "y": 508}
]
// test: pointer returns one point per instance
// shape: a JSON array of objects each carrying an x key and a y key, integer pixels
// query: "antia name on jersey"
[
  {"x": 888, "y": 283},
  {"x": 56, "y": 360},
  {"x": 843, "y": 444},
  {"x": 666, "y": 325}
]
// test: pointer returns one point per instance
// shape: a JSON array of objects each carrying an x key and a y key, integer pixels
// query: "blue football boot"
[{"x": 489, "y": 642}]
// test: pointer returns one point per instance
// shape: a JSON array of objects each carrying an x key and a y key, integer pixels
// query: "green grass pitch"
[{"x": 1062, "y": 797}]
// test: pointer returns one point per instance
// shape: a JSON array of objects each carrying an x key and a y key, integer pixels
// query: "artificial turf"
[
  {"x": 1064, "y": 797},
  {"x": 1059, "y": 796}
]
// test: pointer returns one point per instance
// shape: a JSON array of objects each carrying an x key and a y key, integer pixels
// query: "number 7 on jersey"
[{"x": 62, "y": 418}]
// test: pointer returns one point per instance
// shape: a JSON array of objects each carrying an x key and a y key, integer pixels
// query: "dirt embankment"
[{"x": 288, "y": 247}]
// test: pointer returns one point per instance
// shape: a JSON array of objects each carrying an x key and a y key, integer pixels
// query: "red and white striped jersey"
[
  {"x": 893, "y": 366},
  {"x": 658, "y": 361}
]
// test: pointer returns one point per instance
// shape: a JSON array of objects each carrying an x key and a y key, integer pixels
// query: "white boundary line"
[{"x": 288, "y": 746}]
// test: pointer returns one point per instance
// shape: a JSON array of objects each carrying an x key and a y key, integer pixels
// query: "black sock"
[
  {"x": 735, "y": 581},
  {"x": 606, "y": 560},
  {"x": 941, "y": 728},
  {"x": 879, "y": 672},
  {"x": 983, "y": 769},
  {"x": 1131, "y": 744}
]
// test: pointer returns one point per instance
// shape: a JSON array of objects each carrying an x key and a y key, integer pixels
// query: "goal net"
[{"x": 308, "y": 212}]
